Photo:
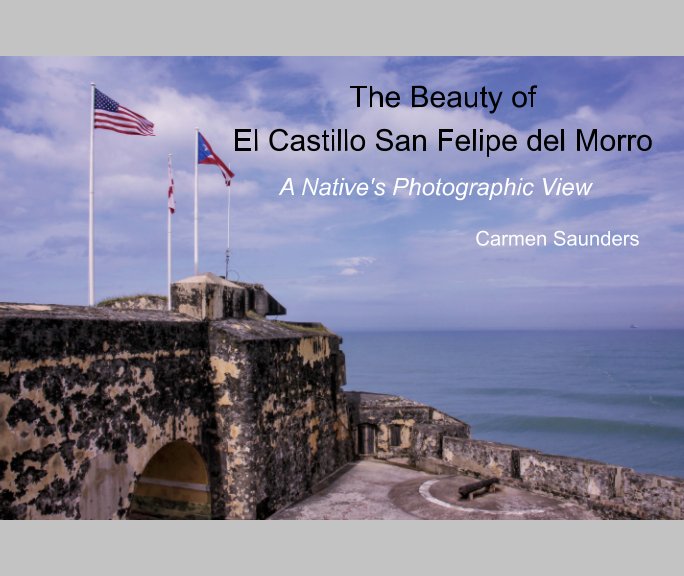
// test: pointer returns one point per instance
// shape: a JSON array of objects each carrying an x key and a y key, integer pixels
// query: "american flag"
[
  {"x": 172, "y": 201},
  {"x": 110, "y": 115}
]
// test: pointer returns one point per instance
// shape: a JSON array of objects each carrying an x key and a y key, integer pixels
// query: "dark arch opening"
[{"x": 174, "y": 484}]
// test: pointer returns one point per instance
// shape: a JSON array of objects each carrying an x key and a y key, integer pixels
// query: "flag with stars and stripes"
[{"x": 110, "y": 115}]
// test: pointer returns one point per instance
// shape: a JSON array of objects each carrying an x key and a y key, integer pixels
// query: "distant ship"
[{"x": 633, "y": 326}]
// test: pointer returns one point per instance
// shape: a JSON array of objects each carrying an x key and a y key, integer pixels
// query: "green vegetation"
[
  {"x": 314, "y": 328},
  {"x": 109, "y": 302}
]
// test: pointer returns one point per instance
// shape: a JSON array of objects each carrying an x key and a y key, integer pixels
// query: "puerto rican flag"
[
  {"x": 172, "y": 200},
  {"x": 205, "y": 155}
]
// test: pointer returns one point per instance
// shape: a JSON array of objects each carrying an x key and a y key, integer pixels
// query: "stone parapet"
[{"x": 614, "y": 491}]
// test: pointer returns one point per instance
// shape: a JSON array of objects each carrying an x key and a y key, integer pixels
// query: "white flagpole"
[
  {"x": 228, "y": 242},
  {"x": 196, "y": 204},
  {"x": 91, "y": 194},
  {"x": 168, "y": 243}
]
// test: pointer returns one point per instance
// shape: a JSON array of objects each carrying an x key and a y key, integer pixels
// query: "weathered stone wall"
[
  {"x": 280, "y": 409},
  {"x": 90, "y": 397},
  {"x": 614, "y": 491},
  {"x": 211, "y": 297},
  {"x": 87, "y": 396},
  {"x": 401, "y": 427},
  {"x": 480, "y": 457},
  {"x": 441, "y": 444}
]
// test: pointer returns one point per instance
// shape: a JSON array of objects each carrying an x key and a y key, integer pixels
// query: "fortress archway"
[{"x": 174, "y": 484}]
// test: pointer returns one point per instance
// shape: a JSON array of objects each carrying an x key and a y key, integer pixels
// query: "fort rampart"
[
  {"x": 435, "y": 442},
  {"x": 213, "y": 413}
]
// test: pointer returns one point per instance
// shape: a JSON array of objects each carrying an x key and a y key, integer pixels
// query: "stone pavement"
[{"x": 374, "y": 490}]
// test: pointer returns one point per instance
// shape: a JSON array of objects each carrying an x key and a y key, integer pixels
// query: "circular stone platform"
[
  {"x": 374, "y": 490},
  {"x": 439, "y": 499}
]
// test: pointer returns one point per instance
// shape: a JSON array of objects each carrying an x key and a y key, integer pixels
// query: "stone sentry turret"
[{"x": 211, "y": 297}]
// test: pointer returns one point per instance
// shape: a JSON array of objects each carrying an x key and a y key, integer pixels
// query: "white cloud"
[
  {"x": 354, "y": 265},
  {"x": 355, "y": 261}
]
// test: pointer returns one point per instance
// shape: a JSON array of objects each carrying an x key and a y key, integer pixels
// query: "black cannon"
[{"x": 476, "y": 488}]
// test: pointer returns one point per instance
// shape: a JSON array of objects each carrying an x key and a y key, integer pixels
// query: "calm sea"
[{"x": 614, "y": 396}]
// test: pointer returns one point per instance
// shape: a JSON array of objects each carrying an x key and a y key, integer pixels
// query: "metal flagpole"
[
  {"x": 196, "y": 204},
  {"x": 168, "y": 244},
  {"x": 228, "y": 243},
  {"x": 91, "y": 194}
]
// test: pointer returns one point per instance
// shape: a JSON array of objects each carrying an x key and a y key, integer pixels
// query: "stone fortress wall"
[
  {"x": 443, "y": 445},
  {"x": 87, "y": 397},
  {"x": 214, "y": 411},
  {"x": 613, "y": 491}
]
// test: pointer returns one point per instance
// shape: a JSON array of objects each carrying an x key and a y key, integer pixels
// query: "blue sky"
[{"x": 352, "y": 263}]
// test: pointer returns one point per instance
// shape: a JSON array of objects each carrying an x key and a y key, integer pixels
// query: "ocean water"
[{"x": 613, "y": 396}]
